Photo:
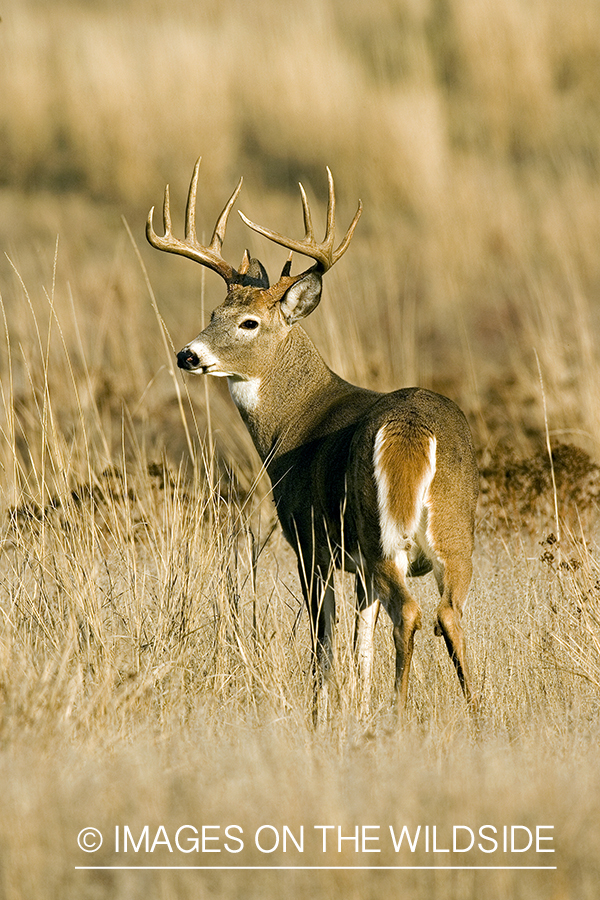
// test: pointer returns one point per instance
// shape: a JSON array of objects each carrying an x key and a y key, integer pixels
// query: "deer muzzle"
[{"x": 188, "y": 359}]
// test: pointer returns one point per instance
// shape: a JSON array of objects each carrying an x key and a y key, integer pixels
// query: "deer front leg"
[
  {"x": 367, "y": 611},
  {"x": 319, "y": 596}
]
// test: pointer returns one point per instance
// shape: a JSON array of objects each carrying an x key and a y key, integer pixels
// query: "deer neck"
[{"x": 283, "y": 406}]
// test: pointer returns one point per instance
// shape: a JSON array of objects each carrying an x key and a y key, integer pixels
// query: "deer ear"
[{"x": 301, "y": 298}]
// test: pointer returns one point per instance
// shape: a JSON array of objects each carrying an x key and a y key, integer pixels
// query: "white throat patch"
[{"x": 244, "y": 393}]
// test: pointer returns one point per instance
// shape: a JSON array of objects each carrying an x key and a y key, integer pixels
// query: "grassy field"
[{"x": 154, "y": 652}]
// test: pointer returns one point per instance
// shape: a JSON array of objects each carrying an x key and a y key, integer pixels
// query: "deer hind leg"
[
  {"x": 453, "y": 579},
  {"x": 390, "y": 584},
  {"x": 367, "y": 611}
]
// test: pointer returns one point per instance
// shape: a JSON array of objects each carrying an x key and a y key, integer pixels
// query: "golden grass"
[{"x": 154, "y": 652}]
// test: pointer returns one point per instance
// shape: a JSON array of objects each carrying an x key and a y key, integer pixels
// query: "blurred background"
[
  {"x": 469, "y": 128},
  {"x": 154, "y": 655}
]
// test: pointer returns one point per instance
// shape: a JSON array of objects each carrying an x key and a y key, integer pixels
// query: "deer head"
[{"x": 255, "y": 316}]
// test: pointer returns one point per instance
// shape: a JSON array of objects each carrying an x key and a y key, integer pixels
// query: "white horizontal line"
[{"x": 317, "y": 868}]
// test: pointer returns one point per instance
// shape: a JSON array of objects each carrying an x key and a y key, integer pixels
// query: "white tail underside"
[{"x": 398, "y": 535}]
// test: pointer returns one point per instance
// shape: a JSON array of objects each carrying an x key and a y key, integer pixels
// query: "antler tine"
[
  {"x": 330, "y": 228},
  {"x": 166, "y": 212},
  {"x": 190, "y": 207},
  {"x": 207, "y": 256},
  {"x": 150, "y": 232},
  {"x": 323, "y": 252},
  {"x": 308, "y": 225},
  {"x": 287, "y": 267},
  {"x": 348, "y": 236},
  {"x": 153, "y": 237},
  {"x": 219, "y": 232}
]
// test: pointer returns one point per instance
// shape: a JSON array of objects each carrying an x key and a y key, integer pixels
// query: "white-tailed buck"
[{"x": 384, "y": 485}]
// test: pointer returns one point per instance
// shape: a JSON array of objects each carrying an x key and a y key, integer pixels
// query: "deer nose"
[{"x": 188, "y": 359}]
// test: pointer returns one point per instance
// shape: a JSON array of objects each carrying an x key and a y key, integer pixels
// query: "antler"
[
  {"x": 323, "y": 253},
  {"x": 207, "y": 256}
]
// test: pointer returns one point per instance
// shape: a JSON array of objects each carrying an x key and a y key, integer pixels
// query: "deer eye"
[{"x": 249, "y": 324}]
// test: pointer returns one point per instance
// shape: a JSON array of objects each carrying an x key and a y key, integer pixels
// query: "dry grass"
[{"x": 154, "y": 652}]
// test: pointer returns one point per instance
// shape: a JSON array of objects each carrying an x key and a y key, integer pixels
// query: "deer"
[{"x": 382, "y": 485}]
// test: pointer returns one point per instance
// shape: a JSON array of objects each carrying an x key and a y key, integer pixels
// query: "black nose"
[{"x": 187, "y": 359}]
